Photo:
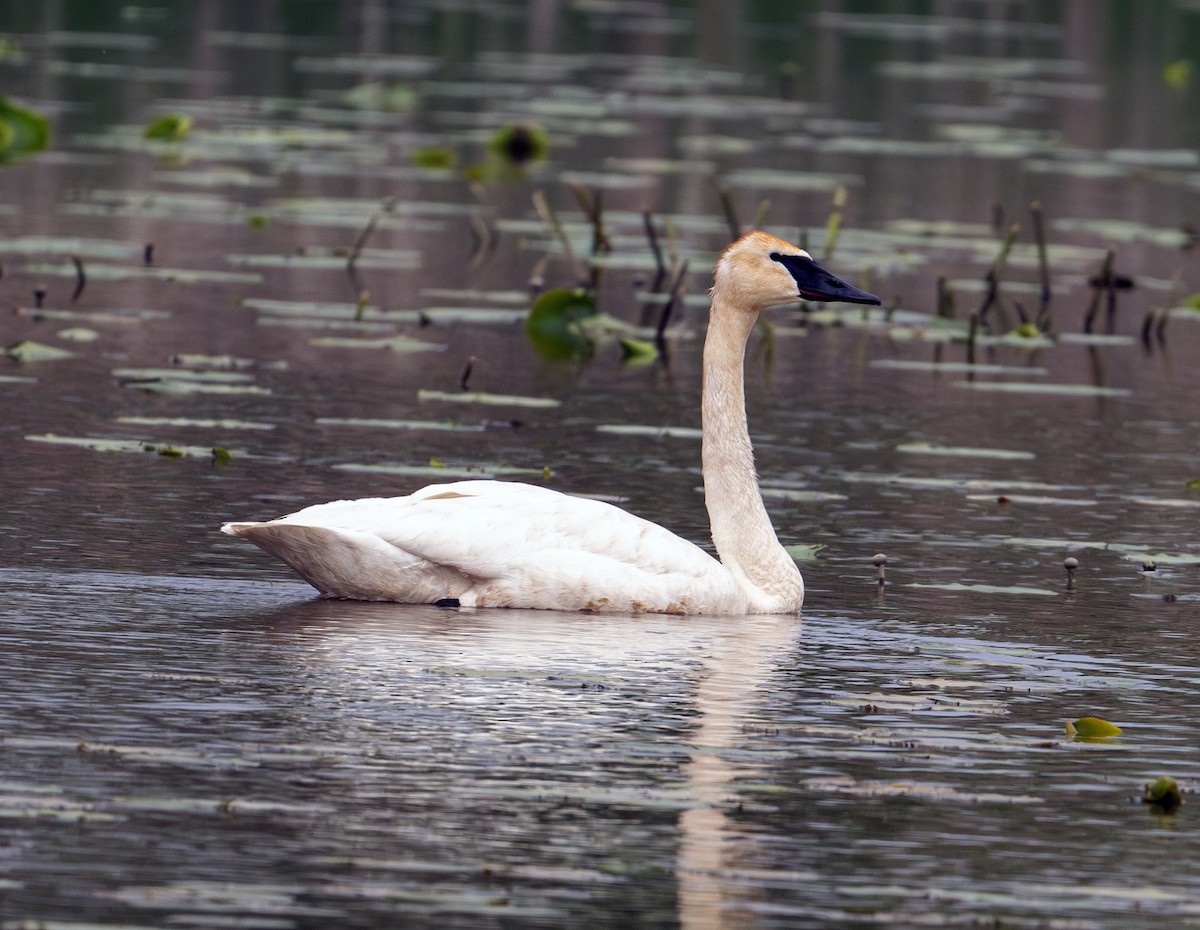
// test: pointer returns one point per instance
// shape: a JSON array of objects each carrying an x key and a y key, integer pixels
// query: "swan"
[{"x": 504, "y": 544}]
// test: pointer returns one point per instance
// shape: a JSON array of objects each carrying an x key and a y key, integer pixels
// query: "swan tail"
[{"x": 344, "y": 563}]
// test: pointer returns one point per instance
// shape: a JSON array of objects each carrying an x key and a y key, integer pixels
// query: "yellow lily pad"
[{"x": 1091, "y": 729}]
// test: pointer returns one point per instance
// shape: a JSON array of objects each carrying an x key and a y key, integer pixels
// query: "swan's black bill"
[{"x": 815, "y": 283}]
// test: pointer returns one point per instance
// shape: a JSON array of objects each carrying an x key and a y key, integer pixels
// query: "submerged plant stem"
[
  {"x": 992, "y": 297},
  {"x": 80, "y": 279},
  {"x": 550, "y": 218},
  {"x": 1039, "y": 234}
]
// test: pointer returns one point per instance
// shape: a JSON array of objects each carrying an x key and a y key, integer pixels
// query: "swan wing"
[{"x": 495, "y": 543}]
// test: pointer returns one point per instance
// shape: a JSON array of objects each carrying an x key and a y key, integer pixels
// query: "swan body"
[{"x": 503, "y": 544}]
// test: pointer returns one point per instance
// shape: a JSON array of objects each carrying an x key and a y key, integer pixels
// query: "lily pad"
[
  {"x": 1088, "y": 729},
  {"x": 804, "y": 553},
  {"x": 1163, "y": 793},
  {"x": 637, "y": 352},
  {"x": 555, "y": 322},
  {"x": 170, "y": 127},
  {"x": 22, "y": 131}
]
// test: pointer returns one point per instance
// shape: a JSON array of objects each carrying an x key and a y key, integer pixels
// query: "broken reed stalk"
[
  {"x": 972, "y": 333},
  {"x": 591, "y": 202},
  {"x": 483, "y": 240},
  {"x": 997, "y": 217},
  {"x": 1155, "y": 320},
  {"x": 80, "y": 278},
  {"x": 360, "y": 306},
  {"x": 537, "y": 277},
  {"x": 674, "y": 296},
  {"x": 730, "y": 211},
  {"x": 465, "y": 378},
  {"x": 550, "y": 218},
  {"x": 1101, "y": 283},
  {"x": 660, "y": 268},
  {"x": 361, "y": 242},
  {"x": 1039, "y": 236},
  {"x": 833, "y": 225},
  {"x": 991, "y": 298},
  {"x": 1110, "y": 304},
  {"x": 945, "y": 298},
  {"x": 1148, "y": 325}
]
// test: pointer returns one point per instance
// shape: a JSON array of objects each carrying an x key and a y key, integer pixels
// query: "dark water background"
[{"x": 188, "y": 739}]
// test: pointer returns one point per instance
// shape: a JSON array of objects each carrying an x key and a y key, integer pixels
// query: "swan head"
[{"x": 760, "y": 270}]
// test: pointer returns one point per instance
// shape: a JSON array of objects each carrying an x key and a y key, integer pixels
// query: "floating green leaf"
[
  {"x": 170, "y": 127},
  {"x": 1163, "y": 793},
  {"x": 441, "y": 156},
  {"x": 10, "y": 49},
  {"x": 520, "y": 144},
  {"x": 803, "y": 553},
  {"x": 22, "y": 131},
  {"x": 1178, "y": 74},
  {"x": 637, "y": 352},
  {"x": 555, "y": 324},
  {"x": 1091, "y": 729}
]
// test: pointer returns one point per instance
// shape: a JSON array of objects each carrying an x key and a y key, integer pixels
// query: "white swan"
[{"x": 502, "y": 544}]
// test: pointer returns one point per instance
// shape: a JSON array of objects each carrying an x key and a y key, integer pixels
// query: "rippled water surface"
[{"x": 189, "y": 739}]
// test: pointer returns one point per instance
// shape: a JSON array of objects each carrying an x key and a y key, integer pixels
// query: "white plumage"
[{"x": 503, "y": 544}]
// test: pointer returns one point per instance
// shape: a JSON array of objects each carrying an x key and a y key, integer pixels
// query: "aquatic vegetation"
[
  {"x": 555, "y": 324},
  {"x": 1091, "y": 729},
  {"x": 1164, "y": 794},
  {"x": 170, "y": 127},
  {"x": 23, "y": 132}
]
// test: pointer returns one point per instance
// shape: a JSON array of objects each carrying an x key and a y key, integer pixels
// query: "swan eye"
[{"x": 775, "y": 257}]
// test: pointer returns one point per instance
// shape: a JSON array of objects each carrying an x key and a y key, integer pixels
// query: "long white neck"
[{"x": 741, "y": 528}]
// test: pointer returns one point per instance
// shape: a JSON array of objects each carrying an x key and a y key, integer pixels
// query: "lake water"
[{"x": 189, "y": 739}]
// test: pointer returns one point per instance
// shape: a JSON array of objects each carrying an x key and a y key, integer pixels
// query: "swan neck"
[{"x": 741, "y": 528}]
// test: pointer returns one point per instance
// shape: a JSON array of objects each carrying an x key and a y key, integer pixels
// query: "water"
[{"x": 190, "y": 740}]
